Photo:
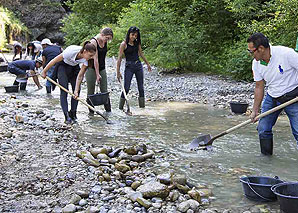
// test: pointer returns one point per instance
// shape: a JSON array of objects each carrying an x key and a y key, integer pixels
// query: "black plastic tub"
[
  {"x": 258, "y": 188},
  {"x": 287, "y": 195},
  {"x": 3, "y": 67},
  {"x": 238, "y": 107},
  {"x": 14, "y": 88},
  {"x": 99, "y": 98}
]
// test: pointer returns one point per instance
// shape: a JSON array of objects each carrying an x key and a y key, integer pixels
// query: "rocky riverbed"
[{"x": 46, "y": 167}]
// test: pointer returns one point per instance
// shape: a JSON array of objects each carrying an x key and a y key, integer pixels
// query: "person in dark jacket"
[
  {"x": 49, "y": 52},
  {"x": 25, "y": 69},
  {"x": 131, "y": 47}
]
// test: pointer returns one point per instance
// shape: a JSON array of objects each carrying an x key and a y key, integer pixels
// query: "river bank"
[{"x": 42, "y": 170}]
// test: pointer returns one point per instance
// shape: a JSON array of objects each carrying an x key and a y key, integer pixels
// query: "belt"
[{"x": 133, "y": 62}]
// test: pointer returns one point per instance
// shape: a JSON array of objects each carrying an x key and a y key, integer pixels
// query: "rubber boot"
[
  {"x": 121, "y": 103},
  {"x": 266, "y": 146},
  {"x": 48, "y": 89},
  {"x": 16, "y": 83},
  {"x": 67, "y": 118},
  {"x": 141, "y": 102},
  {"x": 91, "y": 112},
  {"x": 23, "y": 86},
  {"x": 107, "y": 106},
  {"x": 73, "y": 115}
]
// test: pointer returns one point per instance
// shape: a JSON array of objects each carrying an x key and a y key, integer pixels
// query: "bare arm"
[
  {"x": 55, "y": 60},
  {"x": 121, "y": 51},
  {"x": 96, "y": 62},
  {"x": 43, "y": 61},
  {"x": 144, "y": 58},
  {"x": 258, "y": 97},
  {"x": 79, "y": 80}
]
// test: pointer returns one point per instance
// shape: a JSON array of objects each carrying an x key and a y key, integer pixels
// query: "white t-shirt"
[
  {"x": 70, "y": 54},
  {"x": 281, "y": 73}
]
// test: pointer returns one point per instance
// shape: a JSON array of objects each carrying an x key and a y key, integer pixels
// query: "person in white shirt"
[
  {"x": 33, "y": 50},
  {"x": 277, "y": 68},
  {"x": 67, "y": 71}
]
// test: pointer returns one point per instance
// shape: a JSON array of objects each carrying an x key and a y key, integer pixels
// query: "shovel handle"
[
  {"x": 261, "y": 115},
  {"x": 79, "y": 99}
]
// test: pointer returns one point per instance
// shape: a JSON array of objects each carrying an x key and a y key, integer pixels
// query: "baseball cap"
[{"x": 46, "y": 41}]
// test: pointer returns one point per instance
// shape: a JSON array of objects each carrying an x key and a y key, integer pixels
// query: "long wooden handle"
[
  {"x": 258, "y": 117},
  {"x": 79, "y": 99}
]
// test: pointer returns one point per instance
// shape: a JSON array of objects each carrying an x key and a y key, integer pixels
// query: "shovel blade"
[{"x": 201, "y": 140}]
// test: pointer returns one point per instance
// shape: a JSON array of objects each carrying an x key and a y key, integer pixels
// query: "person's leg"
[
  {"x": 128, "y": 74},
  {"x": 48, "y": 83},
  {"x": 17, "y": 71},
  {"x": 266, "y": 124},
  {"x": 140, "y": 82},
  {"x": 104, "y": 88},
  {"x": 90, "y": 77},
  {"x": 292, "y": 112},
  {"x": 63, "y": 81},
  {"x": 72, "y": 76}
]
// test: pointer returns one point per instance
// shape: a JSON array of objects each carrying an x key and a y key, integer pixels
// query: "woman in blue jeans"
[{"x": 131, "y": 47}]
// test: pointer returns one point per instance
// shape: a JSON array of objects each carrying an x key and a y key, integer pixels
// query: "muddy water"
[{"x": 170, "y": 127}]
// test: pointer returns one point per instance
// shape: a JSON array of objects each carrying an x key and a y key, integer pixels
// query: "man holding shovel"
[{"x": 277, "y": 67}]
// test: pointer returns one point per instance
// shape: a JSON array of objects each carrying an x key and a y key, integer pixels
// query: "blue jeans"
[
  {"x": 131, "y": 68},
  {"x": 50, "y": 73},
  {"x": 266, "y": 123},
  {"x": 15, "y": 70}
]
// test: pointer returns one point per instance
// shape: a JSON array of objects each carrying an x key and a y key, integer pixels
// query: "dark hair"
[
  {"x": 133, "y": 30},
  {"x": 16, "y": 48},
  {"x": 107, "y": 31},
  {"x": 258, "y": 39},
  {"x": 30, "y": 52},
  {"x": 88, "y": 46}
]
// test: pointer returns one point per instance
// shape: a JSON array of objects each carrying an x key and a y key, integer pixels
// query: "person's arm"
[
  {"x": 121, "y": 51},
  {"x": 79, "y": 80},
  {"x": 144, "y": 58},
  {"x": 96, "y": 62},
  {"x": 55, "y": 60},
  {"x": 43, "y": 61},
  {"x": 258, "y": 97}
]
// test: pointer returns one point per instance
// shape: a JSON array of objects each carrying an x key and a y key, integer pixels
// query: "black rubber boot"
[
  {"x": 141, "y": 102},
  {"x": 67, "y": 118},
  {"x": 73, "y": 115},
  {"x": 121, "y": 103},
  {"x": 91, "y": 112},
  {"x": 23, "y": 86},
  {"x": 48, "y": 88},
  {"x": 107, "y": 106},
  {"x": 16, "y": 83},
  {"x": 266, "y": 146}
]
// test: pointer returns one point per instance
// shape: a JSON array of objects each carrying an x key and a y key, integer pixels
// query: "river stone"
[
  {"x": 179, "y": 179},
  {"x": 156, "y": 205},
  {"x": 70, "y": 208},
  {"x": 92, "y": 209},
  {"x": 96, "y": 151},
  {"x": 138, "y": 158},
  {"x": 122, "y": 167},
  {"x": 114, "y": 153},
  {"x": 184, "y": 206},
  {"x": 75, "y": 199},
  {"x": 82, "y": 193},
  {"x": 131, "y": 150},
  {"x": 164, "y": 178},
  {"x": 193, "y": 204},
  {"x": 82, "y": 202},
  {"x": 134, "y": 195},
  {"x": 154, "y": 189},
  {"x": 8, "y": 134},
  {"x": 194, "y": 194},
  {"x": 135, "y": 185},
  {"x": 205, "y": 192},
  {"x": 102, "y": 157},
  {"x": 148, "y": 155},
  {"x": 174, "y": 195},
  {"x": 144, "y": 202},
  {"x": 182, "y": 188}
]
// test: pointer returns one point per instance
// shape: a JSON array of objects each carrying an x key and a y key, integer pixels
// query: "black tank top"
[
  {"x": 101, "y": 52},
  {"x": 132, "y": 53}
]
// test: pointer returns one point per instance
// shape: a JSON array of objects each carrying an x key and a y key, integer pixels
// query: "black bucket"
[
  {"x": 238, "y": 107},
  {"x": 258, "y": 188},
  {"x": 3, "y": 67},
  {"x": 99, "y": 98},
  {"x": 14, "y": 88},
  {"x": 287, "y": 195}
]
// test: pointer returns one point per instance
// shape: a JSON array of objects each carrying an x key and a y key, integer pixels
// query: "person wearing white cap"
[{"x": 49, "y": 52}]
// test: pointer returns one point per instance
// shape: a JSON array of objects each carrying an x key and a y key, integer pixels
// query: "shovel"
[
  {"x": 81, "y": 100},
  {"x": 207, "y": 140}
]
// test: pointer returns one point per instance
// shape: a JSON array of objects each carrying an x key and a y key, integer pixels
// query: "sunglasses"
[{"x": 252, "y": 51}]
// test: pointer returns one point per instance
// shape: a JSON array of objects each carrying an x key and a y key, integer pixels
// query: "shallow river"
[{"x": 170, "y": 127}]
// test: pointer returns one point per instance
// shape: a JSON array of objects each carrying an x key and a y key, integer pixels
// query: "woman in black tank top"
[{"x": 131, "y": 47}]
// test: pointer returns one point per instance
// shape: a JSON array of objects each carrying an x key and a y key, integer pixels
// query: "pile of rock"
[{"x": 125, "y": 183}]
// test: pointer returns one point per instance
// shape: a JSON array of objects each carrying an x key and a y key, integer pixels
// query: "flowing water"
[{"x": 169, "y": 127}]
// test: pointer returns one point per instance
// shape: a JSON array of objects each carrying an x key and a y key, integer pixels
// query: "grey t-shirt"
[{"x": 70, "y": 54}]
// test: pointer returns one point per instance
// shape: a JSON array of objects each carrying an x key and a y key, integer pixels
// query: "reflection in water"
[{"x": 171, "y": 127}]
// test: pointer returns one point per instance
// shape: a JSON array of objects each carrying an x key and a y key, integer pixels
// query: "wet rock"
[
  {"x": 138, "y": 158},
  {"x": 134, "y": 195},
  {"x": 174, "y": 195},
  {"x": 164, "y": 178},
  {"x": 183, "y": 189},
  {"x": 144, "y": 202},
  {"x": 96, "y": 151},
  {"x": 70, "y": 208},
  {"x": 82, "y": 193},
  {"x": 122, "y": 167},
  {"x": 194, "y": 194},
  {"x": 154, "y": 189},
  {"x": 102, "y": 157},
  {"x": 178, "y": 179},
  {"x": 83, "y": 202},
  {"x": 131, "y": 150},
  {"x": 135, "y": 185}
]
